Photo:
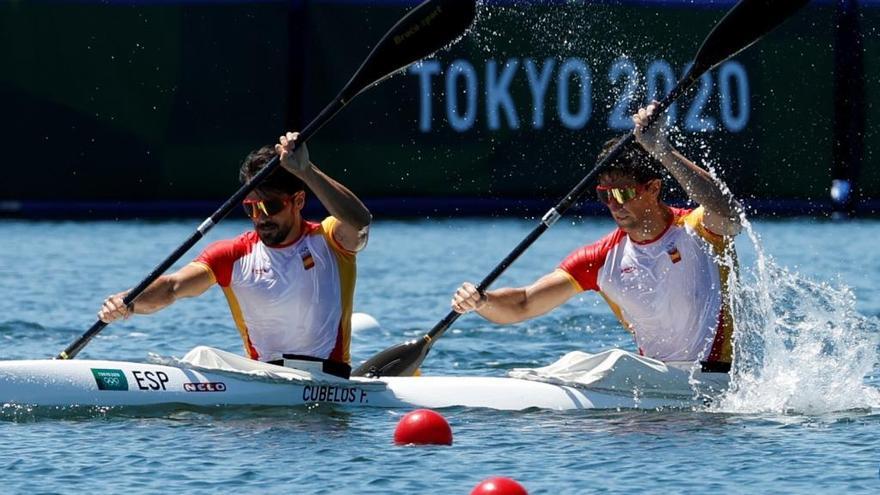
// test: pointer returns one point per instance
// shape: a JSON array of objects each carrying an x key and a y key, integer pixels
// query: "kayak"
[
  {"x": 212, "y": 377},
  {"x": 118, "y": 383}
]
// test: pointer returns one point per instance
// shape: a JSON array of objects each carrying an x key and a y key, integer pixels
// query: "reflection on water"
[{"x": 324, "y": 418}]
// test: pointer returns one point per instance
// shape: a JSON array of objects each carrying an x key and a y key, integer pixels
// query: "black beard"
[{"x": 274, "y": 236}]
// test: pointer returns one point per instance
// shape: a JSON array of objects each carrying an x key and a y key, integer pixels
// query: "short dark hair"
[
  {"x": 633, "y": 162},
  {"x": 280, "y": 180}
]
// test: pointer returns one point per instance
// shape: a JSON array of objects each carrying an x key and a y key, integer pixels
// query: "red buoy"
[
  {"x": 423, "y": 427},
  {"x": 499, "y": 486}
]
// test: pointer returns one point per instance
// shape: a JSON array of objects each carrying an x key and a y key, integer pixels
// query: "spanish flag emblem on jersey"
[
  {"x": 674, "y": 255},
  {"x": 308, "y": 261}
]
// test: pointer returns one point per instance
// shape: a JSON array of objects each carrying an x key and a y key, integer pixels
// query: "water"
[{"x": 802, "y": 419}]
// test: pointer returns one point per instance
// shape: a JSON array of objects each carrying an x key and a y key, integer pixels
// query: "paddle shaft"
[{"x": 332, "y": 109}]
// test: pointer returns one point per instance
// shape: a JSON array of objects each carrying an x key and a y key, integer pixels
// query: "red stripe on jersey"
[
  {"x": 716, "y": 354},
  {"x": 251, "y": 350},
  {"x": 338, "y": 352},
  {"x": 311, "y": 227},
  {"x": 680, "y": 212}
]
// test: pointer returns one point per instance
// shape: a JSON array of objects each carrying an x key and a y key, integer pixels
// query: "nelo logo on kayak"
[
  {"x": 205, "y": 387},
  {"x": 110, "y": 379},
  {"x": 330, "y": 393}
]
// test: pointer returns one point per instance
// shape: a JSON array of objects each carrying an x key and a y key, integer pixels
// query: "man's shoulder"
[
  {"x": 688, "y": 217},
  {"x": 598, "y": 249},
  {"x": 219, "y": 256},
  {"x": 692, "y": 220},
  {"x": 328, "y": 229},
  {"x": 583, "y": 264},
  {"x": 234, "y": 247},
  {"x": 311, "y": 227},
  {"x": 681, "y": 214}
]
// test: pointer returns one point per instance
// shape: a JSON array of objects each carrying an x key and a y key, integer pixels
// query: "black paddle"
[
  {"x": 424, "y": 30},
  {"x": 745, "y": 24}
]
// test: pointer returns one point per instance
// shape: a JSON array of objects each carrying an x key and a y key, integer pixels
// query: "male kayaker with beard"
[
  {"x": 290, "y": 282},
  {"x": 660, "y": 271}
]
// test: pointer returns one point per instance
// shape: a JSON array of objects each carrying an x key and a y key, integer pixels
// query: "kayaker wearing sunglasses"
[
  {"x": 662, "y": 271},
  {"x": 289, "y": 282}
]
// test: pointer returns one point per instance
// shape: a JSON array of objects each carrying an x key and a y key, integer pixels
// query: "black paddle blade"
[
  {"x": 746, "y": 23},
  {"x": 400, "y": 360},
  {"x": 427, "y": 28}
]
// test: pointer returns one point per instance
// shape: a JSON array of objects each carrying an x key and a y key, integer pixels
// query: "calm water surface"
[{"x": 804, "y": 419}]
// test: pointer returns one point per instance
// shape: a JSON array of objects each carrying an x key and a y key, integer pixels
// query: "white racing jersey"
[
  {"x": 291, "y": 299},
  {"x": 670, "y": 292}
]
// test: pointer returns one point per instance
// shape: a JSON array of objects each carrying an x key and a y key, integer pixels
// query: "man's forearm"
[
  {"x": 158, "y": 295},
  {"x": 338, "y": 199},
  {"x": 505, "y": 306},
  {"x": 700, "y": 186}
]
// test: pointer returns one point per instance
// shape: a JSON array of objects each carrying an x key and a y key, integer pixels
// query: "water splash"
[{"x": 801, "y": 346}]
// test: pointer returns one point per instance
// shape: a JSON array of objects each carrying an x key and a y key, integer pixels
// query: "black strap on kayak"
[
  {"x": 714, "y": 367},
  {"x": 335, "y": 368}
]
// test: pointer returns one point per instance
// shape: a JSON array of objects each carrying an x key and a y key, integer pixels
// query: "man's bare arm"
[
  {"x": 512, "y": 305},
  {"x": 722, "y": 210},
  {"x": 190, "y": 281},
  {"x": 354, "y": 218}
]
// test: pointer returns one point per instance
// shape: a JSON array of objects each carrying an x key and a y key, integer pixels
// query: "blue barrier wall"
[{"x": 135, "y": 101}]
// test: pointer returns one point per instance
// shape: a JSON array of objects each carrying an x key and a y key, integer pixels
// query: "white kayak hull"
[{"x": 117, "y": 383}]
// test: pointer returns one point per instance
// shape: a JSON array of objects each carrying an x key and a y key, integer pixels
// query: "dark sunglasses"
[
  {"x": 253, "y": 208},
  {"x": 619, "y": 194}
]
